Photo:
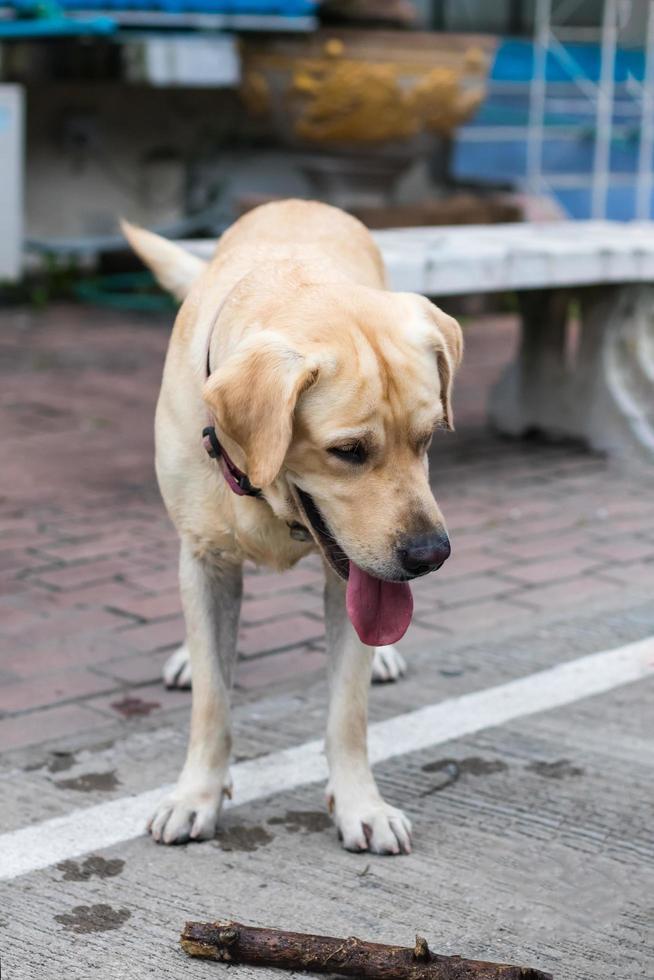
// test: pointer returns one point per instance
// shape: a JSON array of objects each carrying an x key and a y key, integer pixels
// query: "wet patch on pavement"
[
  {"x": 134, "y": 707},
  {"x": 105, "y": 782},
  {"x": 56, "y": 762},
  {"x": 450, "y": 770},
  {"x": 93, "y": 918},
  {"x": 242, "y": 838},
  {"x": 305, "y": 821},
  {"x": 561, "y": 769},
  {"x": 93, "y": 866}
]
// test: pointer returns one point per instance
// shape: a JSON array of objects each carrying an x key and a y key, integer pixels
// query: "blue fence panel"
[
  {"x": 281, "y": 8},
  {"x": 568, "y": 138}
]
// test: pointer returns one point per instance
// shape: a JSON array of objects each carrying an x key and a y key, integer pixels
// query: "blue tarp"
[
  {"x": 44, "y": 27},
  {"x": 504, "y": 161},
  {"x": 281, "y": 8},
  {"x": 514, "y": 62}
]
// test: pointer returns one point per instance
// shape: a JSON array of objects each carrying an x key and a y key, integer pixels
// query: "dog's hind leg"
[
  {"x": 211, "y": 596},
  {"x": 364, "y": 821},
  {"x": 388, "y": 665}
]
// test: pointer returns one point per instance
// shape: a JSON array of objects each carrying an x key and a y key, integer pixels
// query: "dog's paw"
[
  {"x": 369, "y": 824},
  {"x": 177, "y": 669},
  {"x": 388, "y": 664},
  {"x": 190, "y": 812}
]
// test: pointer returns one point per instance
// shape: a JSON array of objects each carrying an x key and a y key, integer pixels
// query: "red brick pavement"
[{"x": 88, "y": 600}]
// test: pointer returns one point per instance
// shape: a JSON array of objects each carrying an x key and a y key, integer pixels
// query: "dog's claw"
[
  {"x": 371, "y": 825},
  {"x": 191, "y": 812}
]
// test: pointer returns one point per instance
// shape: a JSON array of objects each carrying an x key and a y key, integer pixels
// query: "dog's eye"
[{"x": 356, "y": 453}]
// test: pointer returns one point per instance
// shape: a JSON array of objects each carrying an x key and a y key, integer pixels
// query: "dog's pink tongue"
[{"x": 379, "y": 611}]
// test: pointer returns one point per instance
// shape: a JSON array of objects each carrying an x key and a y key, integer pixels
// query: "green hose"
[{"x": 135, "y": 292}]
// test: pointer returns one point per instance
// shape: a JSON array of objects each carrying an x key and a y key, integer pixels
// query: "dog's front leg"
[
  {"x": 364, "y": 821},
  {"x": 211, "y": 596}
]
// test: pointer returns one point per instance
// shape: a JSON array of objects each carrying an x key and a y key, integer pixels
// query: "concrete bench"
[{"x": 584, "y": 368}]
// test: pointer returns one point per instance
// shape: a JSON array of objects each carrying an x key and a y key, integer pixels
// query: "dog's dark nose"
[{"x": 423, "y": 553}]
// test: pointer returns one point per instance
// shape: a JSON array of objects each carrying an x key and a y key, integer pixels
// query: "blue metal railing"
[{"x": 47, "y": 18}]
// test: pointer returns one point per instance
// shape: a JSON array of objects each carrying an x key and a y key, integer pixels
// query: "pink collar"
[{"x": 236, "y": 479}]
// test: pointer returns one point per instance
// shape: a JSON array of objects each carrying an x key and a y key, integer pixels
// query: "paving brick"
[
  {"x": 424, "y": 635},
  {"x": 107, "y": 595},
  {"x": 638, "y": 576},
  {"x": 26, "y": 566},
  {"x": 477, "y": 539},
  {"x": 86, "y": 573},
  {"x": 18, "y": 531},
  {"x": 466, "y": 519},
  {"x": 19, "y": 612},
  {"x": 97, "y": 547},
  {"x": 525, "y": 507},
  {"x": 49, "y": 723},
  {"x": 470, "y": 562},
  {"x": 554, "y": 570},
  {"x": 10, "y": 586},
  {"x": 63, "y": 653},
  {"x": 562, "y": 523},
  {"x": 81, "y": 528},
  {"x": 89, "y": 591},
  {"x": 150, "y": 607},
  {"x": 49, "y": 689},
  {"x": 154, "y": 636},
  {"x": 629, "y": 524},
  {"x": 622, "y": 550},
  {"x": 425, "y": 603},
  {"x": 287, "y": 632},
  {"x": 263, "y": 672},
  {"x": 15, "y": 558},
  {"x": 68, "y": 624},
  {"x": 159, "y": 580},
  {"x": 573, "y": 592},
  {"x": 466, "y": 588},
  {"x": 279, "y": 605},
  {"x": 133, "y": 703},
  {"x": 533, "y": 548},
  {"x": 258, "y": 585},
  {"x": 137, "y": 668},
  {"x": 477, "y": 616}
]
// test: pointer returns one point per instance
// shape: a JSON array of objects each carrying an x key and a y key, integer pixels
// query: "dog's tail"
[{"x": 174, "y": 268}]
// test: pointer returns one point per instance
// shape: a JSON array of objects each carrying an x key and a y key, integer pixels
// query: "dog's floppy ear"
[
  {"x": 448, "y": 344},
  {"x": 253, "y": 396}
]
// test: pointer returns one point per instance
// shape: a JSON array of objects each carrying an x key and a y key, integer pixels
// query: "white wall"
[{"x": 11, "y": 181}]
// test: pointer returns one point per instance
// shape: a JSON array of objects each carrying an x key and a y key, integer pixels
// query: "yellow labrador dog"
[{"x": 298, "y": 402}]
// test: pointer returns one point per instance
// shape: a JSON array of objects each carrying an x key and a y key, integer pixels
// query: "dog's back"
[{"x": 305, "y": 231}]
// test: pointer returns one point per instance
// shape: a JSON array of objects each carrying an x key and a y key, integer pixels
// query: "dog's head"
[{"x": 333, "y": 404}]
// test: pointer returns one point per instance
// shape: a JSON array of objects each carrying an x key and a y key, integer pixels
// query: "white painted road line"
[{"x": 45, "y": 844}]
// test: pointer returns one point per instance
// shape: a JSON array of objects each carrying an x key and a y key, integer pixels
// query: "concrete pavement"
[{"x": 533, "y": 839}]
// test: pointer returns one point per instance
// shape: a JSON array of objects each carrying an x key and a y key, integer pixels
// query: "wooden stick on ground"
[{"x": 232, "y": 942}]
